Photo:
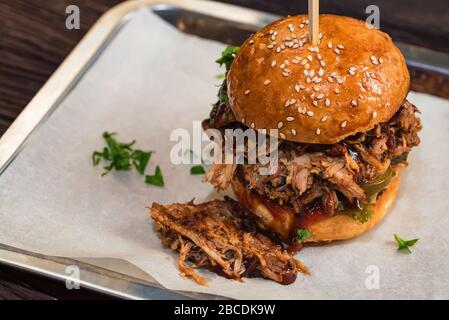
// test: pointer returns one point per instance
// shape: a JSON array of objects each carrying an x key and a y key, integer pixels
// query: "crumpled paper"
[{"x": 150, "y": 80}]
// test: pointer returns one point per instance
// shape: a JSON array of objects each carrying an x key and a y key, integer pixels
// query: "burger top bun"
[{"x": 354, "y": 79}]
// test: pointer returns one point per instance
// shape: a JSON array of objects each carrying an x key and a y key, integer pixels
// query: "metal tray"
[{"x": 225, "y": 23}]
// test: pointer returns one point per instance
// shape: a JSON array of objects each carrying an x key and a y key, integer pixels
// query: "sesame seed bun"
[
  {"x": 339, "y": 227},
  {"x": 354, "y": 79}
]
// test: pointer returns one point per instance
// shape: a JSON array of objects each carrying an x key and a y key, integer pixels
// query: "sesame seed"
[
  {"x": 320, "y": 96},
  {"x": 273, "y": 38},
  {"x": 320, "y": 36},
  {"x": 282, "y": 135},
  {"x": 297, "y": 88},
  {"x": 252, "y": 125},
  {"x": 321, "y": 72},
  {"x": 287, "y": 103},
  {"x": 315, "y": 103},
  {"x": 243, "y": 120},
  {"x": 307, "y": 66},
  {"x": 278, "y": 49},
  {"x": 270, "y": 32},
  {"x": 317, "y": 80},
  {"x": 275, "y": 33},
  {"x": 280, "y": 124},
  {"x": 302, "y": 87},
  {"x": 329, "y": 45},
  {"x": 354, "y": 103},
  {"x": 323, "y": 119},
  {"x": 344, "y": 124},
  {"x": 319, "y": 56},
  {"x": 295, "y": 61},
  {"x": 266, "y": 82},
  {"x": 330, "y": 79},
  {"x": 312, "y": 73},
  {"x": 247, "y": 92},
  {"x": 273, "y": 63},
  {"x": 290, "y": 119},
  {"x": 301, "y": 25},
  {"x": 282, "y": 66},
  {"x": 282, "y": 46},
  {"x": 270, "y": 46},
  {"x": 292, "y": 101},
  {"x": 352, "y": 71},
  {"x": 316, "y": 88},
  {"x": 318, "y": 131},
  {"x": 251, "y": 41},
  {"x": 374, "y": 114},
  {"x": 287, "y": 70},
  {"x": 328, "y": 102},
  {"x": 374, "y": 60},
  {"x": 381, "y": 60},
  {"x": 340, "y": 46},
  {"x": 337, "y": 91},
  {"x": 308, "y": 80},
  {"x": 323, "y": 64},
  {"x": 306, "y": 73},
  {"x": 304, "y": 62},
  {"x": 341, "y": 80},
  {"x": 310, "y": 58},
  {"x": 294, "y": 132},
  {"x": 285, "y": 74},
  {"x": 337, "y": 51},
  {"x": 310, "y": 113}
]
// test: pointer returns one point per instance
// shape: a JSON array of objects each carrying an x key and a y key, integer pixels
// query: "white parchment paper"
[{"x": 151, "y": 80}]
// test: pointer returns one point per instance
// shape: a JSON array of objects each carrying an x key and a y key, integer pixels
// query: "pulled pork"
[
  {"x": 322, "y": 175},
  {"x": 218, "y": 235}
]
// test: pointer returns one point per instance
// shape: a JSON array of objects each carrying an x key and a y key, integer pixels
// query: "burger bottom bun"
[{"x": 338, "y": 227}]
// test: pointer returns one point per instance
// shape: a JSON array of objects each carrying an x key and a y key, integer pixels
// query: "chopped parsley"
[
  {"x": 120, "y": 156},
  {"x": 197, "y": 170},
  {"x": 157, "y": 179},
  {"x": 404, "y": 245},
  {"x": 302, "y": 235}
]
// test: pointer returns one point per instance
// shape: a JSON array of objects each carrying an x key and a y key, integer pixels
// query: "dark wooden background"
[{"x": 34, "y": 41}]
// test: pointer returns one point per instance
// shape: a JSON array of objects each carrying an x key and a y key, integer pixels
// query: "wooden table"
[{"x": 34, "y": 41}]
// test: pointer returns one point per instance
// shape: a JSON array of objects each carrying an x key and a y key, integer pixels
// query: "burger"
[{"x": 344, "y": 123}]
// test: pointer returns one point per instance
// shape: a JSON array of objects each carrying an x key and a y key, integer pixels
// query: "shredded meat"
[
  {"x": 309, "y": 173},
  {"x": 220, "y": 175},
  {"x": 220, "y": 236}
]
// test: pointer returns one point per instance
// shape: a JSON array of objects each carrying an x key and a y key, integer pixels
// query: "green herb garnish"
[
  {"x": 302, "y": 235},
  {"x": 197, "y": 170},
  {"x": 227, "y": 56},
  {"x": 157, "y": 179},
  {"x": 120, "y": 155},
  {"x": 404, "y": 245},
  {"x": 140, "y": 160}
]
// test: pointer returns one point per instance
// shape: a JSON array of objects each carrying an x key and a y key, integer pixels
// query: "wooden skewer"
[{"x": 314, "y": 21}]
